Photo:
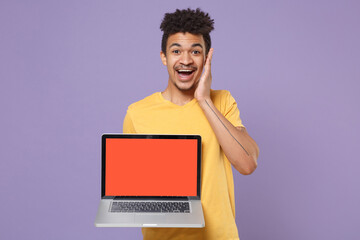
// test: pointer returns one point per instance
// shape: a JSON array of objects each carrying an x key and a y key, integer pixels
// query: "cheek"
[
  {"x": 201, "y": 67},
  {"x": 170, "y": 69},
  {"x": 171, "y": 64}
]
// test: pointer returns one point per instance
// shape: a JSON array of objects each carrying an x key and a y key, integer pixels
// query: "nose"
[{"x": 186, "y": 58}]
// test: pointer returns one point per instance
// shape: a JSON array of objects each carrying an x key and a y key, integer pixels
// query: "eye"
[
  {"x": 176, "y": 51},
  {"x": 196, "y": 52}
]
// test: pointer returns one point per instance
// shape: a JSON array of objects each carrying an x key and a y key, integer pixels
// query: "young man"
[{"x": 189, "y": 106}]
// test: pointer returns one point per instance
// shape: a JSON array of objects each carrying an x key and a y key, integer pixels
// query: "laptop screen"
[{"x": 146, "y": 165}]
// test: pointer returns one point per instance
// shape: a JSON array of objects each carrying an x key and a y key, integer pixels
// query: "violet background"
[{"x": 69, "y": 69}]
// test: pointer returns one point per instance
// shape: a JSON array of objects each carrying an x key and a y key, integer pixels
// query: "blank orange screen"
[{"x": 151, "y": 167}]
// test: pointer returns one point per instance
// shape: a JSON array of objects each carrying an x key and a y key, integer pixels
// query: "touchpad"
[{"x": 150, "y": 218}]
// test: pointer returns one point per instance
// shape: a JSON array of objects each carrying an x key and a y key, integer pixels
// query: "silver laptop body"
[{"x": 142, "y": 175}]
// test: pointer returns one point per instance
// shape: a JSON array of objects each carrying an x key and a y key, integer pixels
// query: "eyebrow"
[
  {"x": 178, "y": 45},
  {"x": 197, "y": 45},
  {"x": 174, "y": 44}
]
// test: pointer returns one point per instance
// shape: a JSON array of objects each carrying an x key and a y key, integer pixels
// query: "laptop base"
[{"x": 194, "y": 219}]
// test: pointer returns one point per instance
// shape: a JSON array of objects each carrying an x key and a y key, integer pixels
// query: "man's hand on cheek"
[{"x": 202, "y": 91}]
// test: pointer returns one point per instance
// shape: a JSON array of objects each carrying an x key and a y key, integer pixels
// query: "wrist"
[{"x": 204, "y": 101}]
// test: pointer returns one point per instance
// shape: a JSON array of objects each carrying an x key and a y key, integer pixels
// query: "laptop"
[{"x": 150, "y": 181}]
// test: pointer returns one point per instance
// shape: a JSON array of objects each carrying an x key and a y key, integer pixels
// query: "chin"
[{"x": 185, "y": 88}]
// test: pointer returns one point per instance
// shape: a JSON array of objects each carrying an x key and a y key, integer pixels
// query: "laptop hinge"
[{"x": 153, "y": 198}]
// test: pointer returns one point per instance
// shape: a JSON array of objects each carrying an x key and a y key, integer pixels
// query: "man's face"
[{"x": 185, "y": 58}]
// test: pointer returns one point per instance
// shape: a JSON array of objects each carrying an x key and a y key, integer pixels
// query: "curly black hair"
[{"x": 187, "y": 20}]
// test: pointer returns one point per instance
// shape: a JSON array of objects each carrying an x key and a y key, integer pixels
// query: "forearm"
[{"x": 240, "y": 149}]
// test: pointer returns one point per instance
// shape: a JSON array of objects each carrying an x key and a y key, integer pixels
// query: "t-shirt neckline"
[{"x": 190, "y": 103}]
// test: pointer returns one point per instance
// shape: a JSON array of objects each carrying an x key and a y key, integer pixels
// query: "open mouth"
[{"x": 185, "y": 74}]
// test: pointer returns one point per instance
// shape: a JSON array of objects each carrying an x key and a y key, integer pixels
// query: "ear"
[{"x": 163, "y": 58}]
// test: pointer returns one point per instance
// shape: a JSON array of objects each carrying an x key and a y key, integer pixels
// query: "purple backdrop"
[{"x": 69, "y": 69}]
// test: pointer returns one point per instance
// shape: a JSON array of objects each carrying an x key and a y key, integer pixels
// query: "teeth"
[{"x": 185, "y": 70}]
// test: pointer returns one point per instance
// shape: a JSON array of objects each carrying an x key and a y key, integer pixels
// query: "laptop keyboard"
[{"x": 173, "y": 207}]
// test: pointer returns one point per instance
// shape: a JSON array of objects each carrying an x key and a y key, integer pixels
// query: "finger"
[
  {"x": 209, "y": 57},
  {"x": 207, "y": 67}
]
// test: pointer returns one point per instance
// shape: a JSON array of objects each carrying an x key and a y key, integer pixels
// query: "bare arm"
[{"x": 240, "y": 149}]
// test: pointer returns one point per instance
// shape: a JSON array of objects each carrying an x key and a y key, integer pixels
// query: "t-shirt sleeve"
[
  {"x": 128, "y": 126},
  {"x": 232, "y": 112}
]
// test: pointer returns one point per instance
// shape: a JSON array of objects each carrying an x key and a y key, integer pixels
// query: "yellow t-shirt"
[{"x": 156, "y": 115}]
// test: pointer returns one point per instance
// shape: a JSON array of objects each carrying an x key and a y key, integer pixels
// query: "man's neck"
[{"x": 176, "y": 96}]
